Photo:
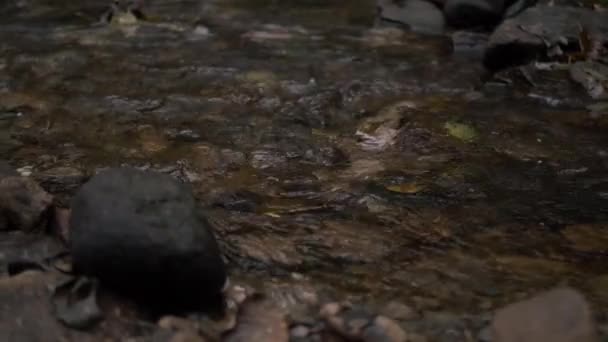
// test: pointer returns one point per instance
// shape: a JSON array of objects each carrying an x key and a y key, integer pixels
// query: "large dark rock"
[
  {"x": 473, "y": 13},
  {"x": 538, "y": 31},
  {"x": 142, "y": 232}
]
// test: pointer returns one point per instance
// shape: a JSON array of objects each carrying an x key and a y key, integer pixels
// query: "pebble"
[{"x": 384, "y": 329}]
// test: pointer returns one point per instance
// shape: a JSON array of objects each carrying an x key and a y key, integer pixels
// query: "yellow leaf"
[{"x": 461, "y": 131}]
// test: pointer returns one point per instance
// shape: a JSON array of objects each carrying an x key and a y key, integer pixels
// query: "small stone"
[
  {"x": 24, "y": 313},
  {"x": 201, "y": 30},
  {"x": 558, "y": 315},
  {"x": 238, "y": 293},
  {"x": 330, "y": 309},
  {"x": 384, "y": 329},
  {"x": 350, "y": 323},
  {"x": 299, "y": 331},
  {"x": 259, "y": 320}
]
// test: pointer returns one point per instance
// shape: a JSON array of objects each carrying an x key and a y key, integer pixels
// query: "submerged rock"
[
  {"x": 559, "y": 315},
  {"x": 142, "y": 232},
  {"x": 539, "y": 32},
  {"x": 23, "y": 204},
  {"x": 24, "y": 315}
]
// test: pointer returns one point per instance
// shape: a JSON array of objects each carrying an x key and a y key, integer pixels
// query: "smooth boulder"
[
  {"x": 24, "y": 205},
  {"x": 143, "y": 232}
]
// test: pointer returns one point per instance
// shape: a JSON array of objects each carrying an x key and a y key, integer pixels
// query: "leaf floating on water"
[
  {"x": 461, "y": 131},
  {"x": 406, "y": 188}
]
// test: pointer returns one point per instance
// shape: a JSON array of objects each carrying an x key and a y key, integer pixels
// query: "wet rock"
[
  {"x": 142, "y": 232},
  {"x": 123, "y": 12},
  {"x": 23, "y": 204},
  {"x": 259, "y": 320},
  {"x": 539, "y": 31},
  {"x": 559, "y": 315},
  {"x": 473, "y": 13},
  {"x": 420, "y": 16},
  {"x": 356, "y": 323},
  {"x": 384, "y": 329},
  {"x": 24, "y": 314},
  {"x": 349, "y": 322}
]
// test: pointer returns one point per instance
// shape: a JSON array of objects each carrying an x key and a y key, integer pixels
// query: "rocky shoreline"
[{"x": 266, "y": 171}]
